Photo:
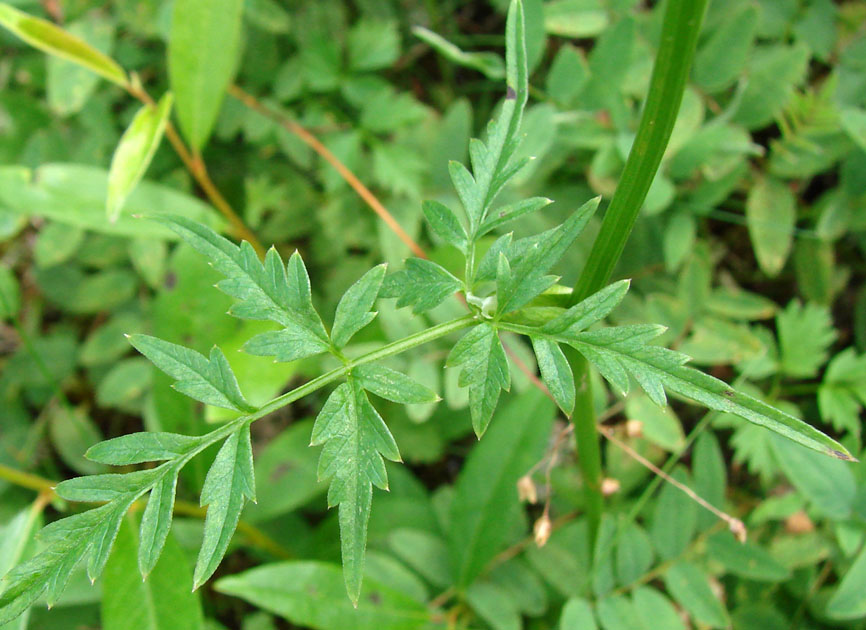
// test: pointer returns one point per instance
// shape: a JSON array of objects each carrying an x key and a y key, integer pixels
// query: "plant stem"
[{"x": 682, "y": 20}]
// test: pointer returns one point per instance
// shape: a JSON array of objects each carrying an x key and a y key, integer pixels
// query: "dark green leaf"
[
  {"x": 137, "y": 448},
  {"x": 690, "y": 587}
]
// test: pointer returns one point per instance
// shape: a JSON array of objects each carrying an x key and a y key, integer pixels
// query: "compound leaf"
[{"x": 355, "y": 440}]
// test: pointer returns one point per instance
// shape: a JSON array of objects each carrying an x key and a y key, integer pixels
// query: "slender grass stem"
[{"x": 682, "y": 20}]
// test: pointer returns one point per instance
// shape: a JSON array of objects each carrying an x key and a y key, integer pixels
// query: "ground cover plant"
[{"x": 441, "y": 361}]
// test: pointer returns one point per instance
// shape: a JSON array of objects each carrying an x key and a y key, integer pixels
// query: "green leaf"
[
  {"x": 312, "y": 594},
  {"x": 555, "y": 372},
  {"x": 108, "y": 487},
  {"x": 355, "y": 438},
  {"x": 422, "y": 285},
  {"x": 202, "y": 59},
  {"x": 634, "y": 555},
  {"x": 10, "y": 293},
  {"x": 487, "y": 63},
  {"x": 156, "y": 522},
  {"x": 655, "y": 610},
  {"x": 165, "y": 601},
  {"x": 659, "y": 425},
  {"x": 843, "y": 391},
  {"x": 745, "y": 559},
  {"x": 690, "y": 587},
  {"x": 494, "y": 606},
  {"x": 353, "y": 310},
  {"x": 805, "y": 336},
  {"x": 674, "y": 518},
  {"x": 617, "y": 350},
  {"x": 577, "y": 615},
  {"x": 589, "y": 311},
  {"x": 710, "y": 474},
  {"x": 88, "y": 534},
  {"x": 265, "y": 291},
  {"x": 721, "y": 59},
  {"x": 393, "y": 385},
  {"x": 532, "y": 258},
  {"x": 445, "y": 224},
  {"x": 771, "y": 214},
  {"x": 137, "y": 448},
  {"x": 373, "y": 44},
  {"x": 134, "y": 152},
  {"x": 75, "y": 195},
  {"x": 72, "y": 433},
  {"x": 849, "y": 599},
  {"x": 507, "y": 214},
  {"x": 575, "y": 18},
  {"x": 45, "y": 36},
  {"x": 210, "y": 381},
  {"x": 829, "y": 485},
  {"x": 485, "y": 509},
  {"x": 483, "y": 369},
  {"x": 853, "y": 121},
  {"x": 424, "y": 552},
  {"x": 774, "y": 71},
  {"x": 230, "y": 480}
]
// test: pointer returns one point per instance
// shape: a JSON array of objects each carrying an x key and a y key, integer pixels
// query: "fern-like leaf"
[{"x": 355, "y": 441}]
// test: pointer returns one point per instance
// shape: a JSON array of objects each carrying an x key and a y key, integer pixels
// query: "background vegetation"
[{"x": 749, "y": 247}]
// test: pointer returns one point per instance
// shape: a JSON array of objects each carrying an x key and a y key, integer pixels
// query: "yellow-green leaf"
[
  {"x": 44, "y": 35},
  {"x": 134, "y": 153}
]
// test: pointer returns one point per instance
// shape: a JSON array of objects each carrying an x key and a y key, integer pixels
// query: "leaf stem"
[{"x": 680, "y": 29}]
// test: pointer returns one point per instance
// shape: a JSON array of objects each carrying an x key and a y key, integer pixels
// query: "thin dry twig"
[{"x": 316, "y": 145}]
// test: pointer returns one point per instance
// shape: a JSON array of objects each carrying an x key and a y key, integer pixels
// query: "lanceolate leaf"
[
  {"x": 484, "y": 370},
  {"x": 619, "y": 350},
  {"x": 531, "y": 258},
  {"x": 46, "y": 36},
  {"x": 555, "y": 372},
  {"x": 355, "y": 440},
  {"x": 265, "y": 292},
  {"x": 210, "y": 381},
  {"x": 137, "y": 448},
  {"x": 422, "y": 285},
  {"x": 353, "y": 310},
  {"x": 229, "y": 482},
  {"x": 589, "y": 311},
  {"x": 445, "y": 224},
  {"x": 156, "y": 521},
  {"x": 134, "y": 153},
  {"x": 393, "y": 385},
  {"x": 509, "y": 213},
  {"x": 202, "y": 59}
]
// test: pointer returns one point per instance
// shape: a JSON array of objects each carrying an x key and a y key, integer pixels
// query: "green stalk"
[{"x": 682, "y": 21}]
